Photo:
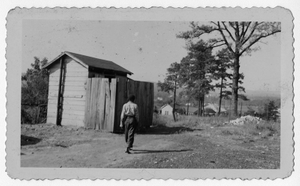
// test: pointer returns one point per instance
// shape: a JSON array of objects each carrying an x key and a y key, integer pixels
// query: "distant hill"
[
  {"x": 257, "y": 98},
  {"x": 251, "y": 94},
  {"x": 259, "y": 93}
]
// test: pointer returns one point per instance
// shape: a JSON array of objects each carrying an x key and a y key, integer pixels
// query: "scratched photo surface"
[{"x": 210, "y": 95}]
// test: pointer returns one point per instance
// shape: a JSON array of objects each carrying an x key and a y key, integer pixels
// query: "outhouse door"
[{"x": 100, "y": 104}]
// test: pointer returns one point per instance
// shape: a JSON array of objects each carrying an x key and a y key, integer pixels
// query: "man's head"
[{"x": 131, "y": 98}]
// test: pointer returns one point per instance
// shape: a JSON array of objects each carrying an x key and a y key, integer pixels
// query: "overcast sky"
[{"x": 145, "y": 48}]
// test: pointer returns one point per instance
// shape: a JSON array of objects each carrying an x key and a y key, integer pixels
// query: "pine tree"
[
  {"x": 238, "y": 37},
  {"x": 271, "y": 111},
  {"x": 172, "y": 83},
  {"x": 196, "y": 72}
]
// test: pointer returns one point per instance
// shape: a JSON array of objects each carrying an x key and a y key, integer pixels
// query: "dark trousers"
[{"x": 130, "y": 127}]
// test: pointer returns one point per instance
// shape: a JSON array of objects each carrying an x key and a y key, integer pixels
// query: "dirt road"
[{"x": 46, "y": 145}]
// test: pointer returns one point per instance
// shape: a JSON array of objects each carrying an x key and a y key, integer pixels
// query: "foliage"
[
  {"x": 237, "y": 37},
  {"x": 271, "y": 111},
  {"x": 34, "y": 93},
  {"x": 221, "y": 66},
  {"x": 197, "y": 74},
  {"x": 162, "y": 98},
  {"x": 172, "y": 82},
  {"x": 250, "y": 112}
]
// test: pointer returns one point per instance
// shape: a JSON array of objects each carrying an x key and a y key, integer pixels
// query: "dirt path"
[
  {"x": 68, "y": 147},
  {"x": 173, "y": 147}
]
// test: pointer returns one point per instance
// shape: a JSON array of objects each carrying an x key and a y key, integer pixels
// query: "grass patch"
[
  {"x": 254, "y": 131},
  {"x": 188, "y": 121},
  {"x": 214, "y": 126},
  {"x": 159, "y": 120}
]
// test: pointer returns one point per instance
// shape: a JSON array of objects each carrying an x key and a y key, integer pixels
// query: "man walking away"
[{"x": 129, "y": 119}]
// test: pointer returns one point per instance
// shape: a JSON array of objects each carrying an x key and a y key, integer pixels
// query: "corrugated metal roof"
[{"x": 92, "y": 62}]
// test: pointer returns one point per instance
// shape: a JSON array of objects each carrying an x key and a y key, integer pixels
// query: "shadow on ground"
[
  {"x": 144, "y": 151},
  {"x": 165, "y": 130},
  {"x": 28, "y": 140}
]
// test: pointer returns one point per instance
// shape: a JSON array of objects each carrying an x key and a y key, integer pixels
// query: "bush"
[
  {"x": 268, "y": 128},
  {"x": 33, "y": 114},
  {"x": 270, "y": 112},
  {"x": 34, "y": 93},
  {"x": 263, "y": 129},
  {"x": 159, "y": 120}
]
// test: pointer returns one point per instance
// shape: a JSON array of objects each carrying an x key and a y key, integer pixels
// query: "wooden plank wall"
[
  {"x": 74, "y": 93},
  {"x": 144, "y": 92},
  {"x": 104, "y": 102},
  {"x": 100, "y": 104},
  {"x": 121, "y": 98},
  {"x": 52, "y": 93}
]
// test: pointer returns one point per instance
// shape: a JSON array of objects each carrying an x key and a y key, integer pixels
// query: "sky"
[{"x": 146, "y": 48}]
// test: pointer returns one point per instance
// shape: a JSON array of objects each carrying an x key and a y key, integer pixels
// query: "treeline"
[
  {"x": 213, "y": 61},
  {"x": 34, "y": 92}
]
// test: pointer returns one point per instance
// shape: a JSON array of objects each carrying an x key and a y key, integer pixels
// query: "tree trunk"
[
  {"x": 241, "y": 108},
  {"x": 202, "y": 105},
  {"x": 187, "y": 110},
  {"x": 174, "y": 104},
  {"x": 220, "y": 97},
  {"x": 235, "y": 84},
  {"x": 199, "y": 106}
]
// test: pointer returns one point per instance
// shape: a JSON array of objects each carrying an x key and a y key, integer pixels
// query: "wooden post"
[
  {"x": 59, "y": 104},
  {"x": 87, "y": 118},
  {"x": 112, "y": 104},
  {"x": 107, "y": 104},
  {"x": 101, "y": 104}
]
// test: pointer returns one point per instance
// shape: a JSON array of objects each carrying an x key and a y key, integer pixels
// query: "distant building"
[
  {"x": 212, "y": 109},
  {"x": 209, "y": 110},
  {"x": 191, "y": 110},
  {"x": 166, "y": 110},
  {"x": 248, "y": 110}
]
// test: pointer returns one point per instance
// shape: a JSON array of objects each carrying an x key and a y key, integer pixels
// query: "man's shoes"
[{"x": 127, "y": 151}]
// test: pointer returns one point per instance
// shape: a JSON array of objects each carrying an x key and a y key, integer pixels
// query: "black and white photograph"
[{"x": 177, "y": 94}]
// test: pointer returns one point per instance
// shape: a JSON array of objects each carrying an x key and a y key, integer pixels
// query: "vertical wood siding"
[
  {"x": 121, "y": 98},
  {"x": 144, "y": 93},
  {"x": 100, "y": 104}
]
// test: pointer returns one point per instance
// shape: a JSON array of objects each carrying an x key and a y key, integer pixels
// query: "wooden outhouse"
[{"x": 90, "y": 92}]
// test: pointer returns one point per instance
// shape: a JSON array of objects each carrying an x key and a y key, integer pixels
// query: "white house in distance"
[{"x": 166, "y": 110}]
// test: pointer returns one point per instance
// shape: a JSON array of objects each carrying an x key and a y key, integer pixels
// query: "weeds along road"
[{"x": 175, "y": 145}]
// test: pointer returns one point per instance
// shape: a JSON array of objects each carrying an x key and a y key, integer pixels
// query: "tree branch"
[
  {"x": 237, "y": 31},
  {"x": 243, "y": 28},
  {"x": 245, "y": 31},
  {"x": 257, "y": 39},
  {"x": 224, "y": 38},
  {"x": 214, "y": 46},
  {"x": 232, "y": 25},
  {"x": 252, "y": 31},
  {"x": 228, "y": 31},
  {"x": 214, "y": 23}
]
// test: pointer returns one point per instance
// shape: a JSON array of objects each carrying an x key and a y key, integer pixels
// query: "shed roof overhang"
[{"x": 87, "y": 61}]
